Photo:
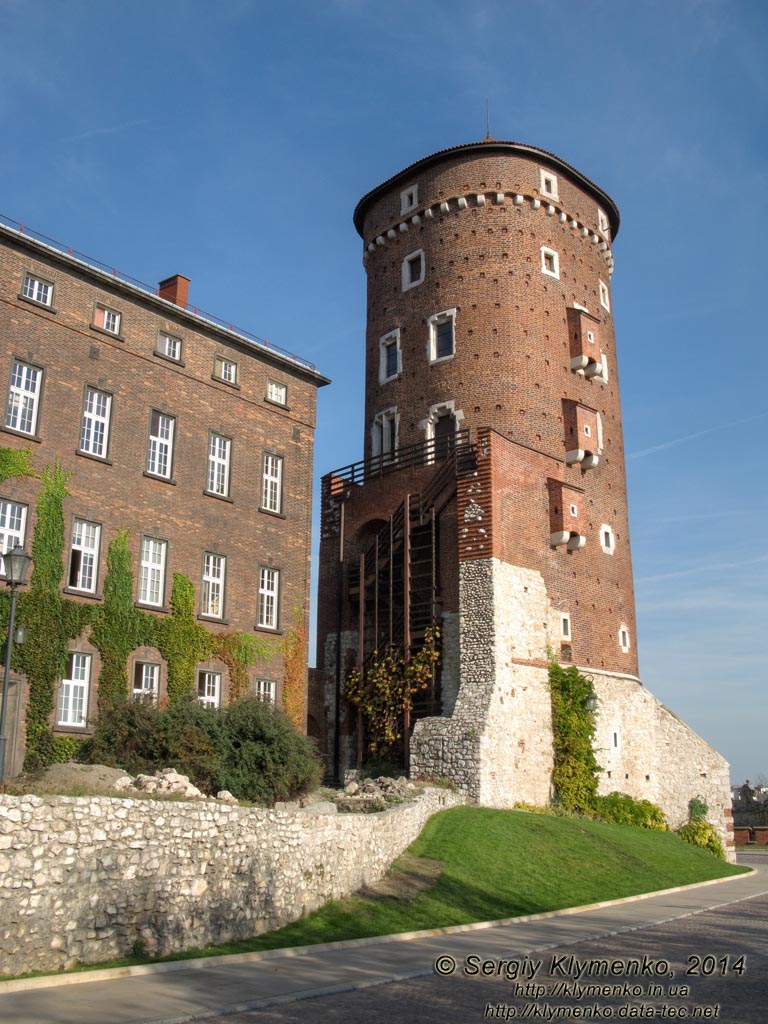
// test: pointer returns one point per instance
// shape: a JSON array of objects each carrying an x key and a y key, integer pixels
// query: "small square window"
[
  {"x": 574, "y": 511},
  {"x": 591, "y": 337},
  {"x": 264, "y": 689},
  {"x": 587, "y": 430},
  {"x": 169, "y": 346},
  {"x": 209, "y": 688},
  {"x": 277, "y": 392},
  {"x": 413, "y": 270},
  {"x": 409, "y": 199},
  {"x": 548, "y": 184},
  {"x": 107, "y": 319},
  {"x": 225, "y": 369},
  {"x": 146, "y": 681},
  {"x": 605, "y": 298},
  {"x": 607, "y": 539},
  {"x": 550, "y": 262},
  {"x": 37, "y": 290}
]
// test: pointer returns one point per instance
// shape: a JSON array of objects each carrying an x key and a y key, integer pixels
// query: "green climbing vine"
[
  {"x": 182, "y": 641},
  {"x": 575, "y": 770},
  {"x": 295, "y": 668}
]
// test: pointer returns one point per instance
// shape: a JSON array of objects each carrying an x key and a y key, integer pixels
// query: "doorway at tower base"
[{"x": 497, "y": 743}]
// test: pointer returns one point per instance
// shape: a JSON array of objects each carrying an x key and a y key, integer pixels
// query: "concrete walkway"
[{"x": 191, "y": 990}]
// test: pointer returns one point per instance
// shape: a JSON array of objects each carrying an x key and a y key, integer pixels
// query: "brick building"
[
  {"x": 491, "y": 499},
  {"x": 196, "y": 437}
]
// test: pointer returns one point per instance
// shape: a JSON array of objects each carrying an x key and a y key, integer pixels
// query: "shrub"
[
  {"x": 248, "y": 748},
  {"x": 697, "y": 809},
  {"x": 622, "y": 809},
  {"x": 700, "y": 833}
]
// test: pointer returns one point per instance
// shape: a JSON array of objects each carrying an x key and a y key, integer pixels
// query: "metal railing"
[
  {"x": 426, "y": 453},
  {"x": 149, "y": 289}
]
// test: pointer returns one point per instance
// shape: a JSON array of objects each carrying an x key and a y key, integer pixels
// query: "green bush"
[
  {"x": 622, "y": 809},
  {"x": 248, "y": 748},
  {"x": 700, "y": 833},
  {"x": 697, "y": 809}
]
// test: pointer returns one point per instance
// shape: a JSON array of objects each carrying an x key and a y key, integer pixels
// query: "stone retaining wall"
[{"x": 86, "y": 878}]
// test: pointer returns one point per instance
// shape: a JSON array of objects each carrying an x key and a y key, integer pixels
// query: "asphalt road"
[{"x": 700, "y": 953}]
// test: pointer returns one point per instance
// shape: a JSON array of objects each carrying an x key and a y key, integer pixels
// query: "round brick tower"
[{"x": 489, "y": 305}]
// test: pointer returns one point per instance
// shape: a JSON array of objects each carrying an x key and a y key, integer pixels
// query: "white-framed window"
[
  {"x": 219, "y": 451},
  {"x": 209, "y": 687},
  {"x": 548, "y": 183},
  {"x": 94, "y": 429},
  {"x": 384, "y": 433},
  {"x": 277, "y": 392},
  {"x": 605, "y": 296},
  {"x": 152, "y": 571},
  {"x": 409, "y": 199},
  {"x": 169, "y": 345},
  {"x": 107, "y": 319},
  {"x": 265, "y": 689},
  {"x": 146, "y": 681},
  {"x": 442, "y": 335},
  {"x": 37, "y": 290},
  {"x": 607, "y": 539},
  {"x": 13, "y": 523},
  {"x": 565, "y": 626},
  {"x": 214, "y": 575},
  {"x": 160, "y": 447},
  {"x": 272, "y": 483},
  {"x": 590, "y": 337},
  {"x": 73, "y": 691},
  {"x": 269, "y": 592},
  {"x": 225, "y": 369},
  {"x": 84, "y": 556},
  {"x": 390, "y": 357},
  {"x": 602, "y": 221},
  {"x": 413, "y": 269},
  {"x": 624, "y": 638},
  {"x": 587, "y": 430},
  {"x": 574, "y": 511},
  {"x": 23, "y": 397},
  {"x": 550, "y": 262}
]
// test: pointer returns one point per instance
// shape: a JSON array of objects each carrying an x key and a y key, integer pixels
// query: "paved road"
[{"x": 386, "y": 981}]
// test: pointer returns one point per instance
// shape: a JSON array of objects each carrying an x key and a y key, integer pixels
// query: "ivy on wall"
[
  {"x": 575, "y": 771},
  {"x": 117, "y": 627},
  {"x": 295, "y": 667}
]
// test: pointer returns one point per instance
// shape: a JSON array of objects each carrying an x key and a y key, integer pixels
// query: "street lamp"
[{"x": 17, "y": 563}]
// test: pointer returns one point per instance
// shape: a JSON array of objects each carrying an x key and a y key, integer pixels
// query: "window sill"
[
  {"x": 73, "y": 730},
  {"x": 83, "y": 593},
  {"x": 221, "y": 497},
  {"x": 274, "y": 630},
  {"x": 109, "y": 334},
  {"x": 169, "y": 359},
  {"x": 20, "y": 433},
  {"x": 213, "y": 618},
  {"x": 34, "y": 302},
  {"x": 94, "y": 458},
  {"x": 442, "y": 359},
  {"x": 162, "y": 479},
  {"x": 152, "y": 607},
  {"x": 269, "y": 512},
  {"x": 226, "y": 383},
  {"x": 279, "y": 405}
]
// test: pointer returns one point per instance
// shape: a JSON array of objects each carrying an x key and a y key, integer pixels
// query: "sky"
[{"x": 230, "y": 142}]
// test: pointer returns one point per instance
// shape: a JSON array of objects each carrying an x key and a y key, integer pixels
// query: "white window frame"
[
  {"x": 160, "y": 444},
  {"x": 386, "y": 341},
  {"x": 72, "y": 704},
  {"x": 406, "y": 269},
  {"x": 153, "y": 558},
  {"x": 269, "y": 598},
  {"x": 13, "y": 526},
  {"x": 107, "y": 319},
  {"x": 84, "y": 556},
  {"x": 590, "y": 337},
  {"x": 94, "y": 427},
  {"x": 603, "y": 223},
  {"x": 277, "y": 392},
  {"x": 550, "y": 254},
  {"x": 545, "y": 175},
  {"x": 409, "y": 199},
  {"x": 605, "y": 295},
  {"x": 210, "y": 683},
  {"x": 565, "y": 627},
  {"x": 608, "y": 546},
  {"x": 433, "y": 323},
  {"x": 574, "y": 510},
  {"x": 149, "y": 671},
  {"x": 170, "y": 346},
  {"x": 587, "y": 430},
  {"x": 37, "y": 290},
  {"x": 624, "y": 642},
  {"x": 214, "y": 582},
  {"x": 265, "y": 689},
  {"x": 225, "y": 370},
  {"x": 23, "y": 398},
  {"x": 272, "y": 483},
  {"x": 219, "y": 461},
  {"x": 382, "y": 433}
]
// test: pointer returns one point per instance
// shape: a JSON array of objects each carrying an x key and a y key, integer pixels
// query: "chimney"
[{"x": 175, "y": 289}]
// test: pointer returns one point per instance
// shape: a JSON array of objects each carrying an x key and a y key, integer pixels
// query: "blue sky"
[{"x": 231, "y": 141}]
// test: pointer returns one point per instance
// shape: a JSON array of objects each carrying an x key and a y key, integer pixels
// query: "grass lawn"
[{"x": 499, "y": 864}]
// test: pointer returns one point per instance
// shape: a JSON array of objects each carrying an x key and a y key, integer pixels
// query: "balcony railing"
[{"x": 426, "y": 453}]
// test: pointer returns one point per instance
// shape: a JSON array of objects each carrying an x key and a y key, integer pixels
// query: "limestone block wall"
[{"x": 83, "y": 879}]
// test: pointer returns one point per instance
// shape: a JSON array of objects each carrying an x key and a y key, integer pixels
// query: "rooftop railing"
[{"x": 149, "y": 289}]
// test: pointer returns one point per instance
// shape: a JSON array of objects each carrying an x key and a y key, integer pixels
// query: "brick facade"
[{"x": 163, "y": 368}]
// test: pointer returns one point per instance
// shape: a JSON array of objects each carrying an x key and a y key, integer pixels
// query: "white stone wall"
[{"x": 83, "y": 879}]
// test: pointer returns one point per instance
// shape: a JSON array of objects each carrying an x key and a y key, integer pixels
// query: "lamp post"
[{"x": 17, "y": 563}]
